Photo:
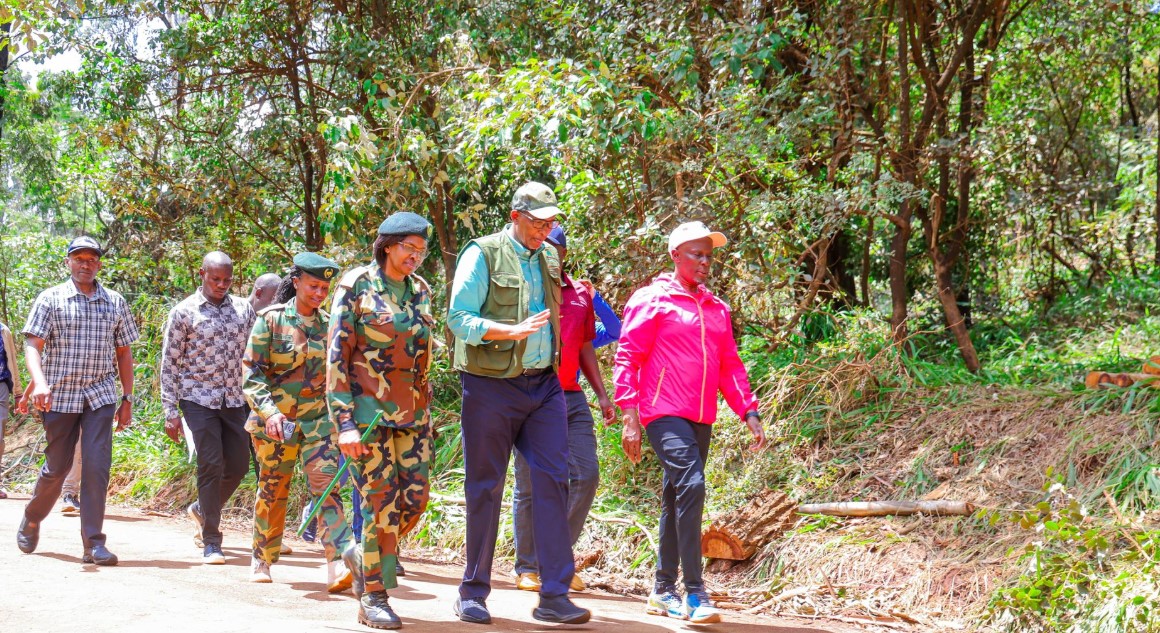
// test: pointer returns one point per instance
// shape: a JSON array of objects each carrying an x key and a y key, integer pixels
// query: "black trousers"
[
  {"x": 94, "y": 429},
  {"x": 529, "y": 414},
  {"x": 223, "y": 457},
  {"x": 682, "y": 447}
]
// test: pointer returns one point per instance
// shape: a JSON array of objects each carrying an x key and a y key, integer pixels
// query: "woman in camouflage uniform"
[
  {"x": 284, "y": 370},
  {"x": 379, "y": 358}
]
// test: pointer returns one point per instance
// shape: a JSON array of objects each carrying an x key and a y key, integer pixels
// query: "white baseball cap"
[{"x": 690, "y": 231}]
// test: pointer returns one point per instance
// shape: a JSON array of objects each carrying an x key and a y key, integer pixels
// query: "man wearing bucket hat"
[
  {"x": 204, "y": 341},
  {"x": 505, "y": 315},
  {"x": 77, "y": 341},
  {"x": 676, "y": 353}
]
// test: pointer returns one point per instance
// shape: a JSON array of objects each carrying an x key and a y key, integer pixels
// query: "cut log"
[
  {"x": 886, "y": 508},
  {"x": 737, "y": 535},
  {"x": 1152, "y": 366},
  {"x": 1097, "y": 379}
]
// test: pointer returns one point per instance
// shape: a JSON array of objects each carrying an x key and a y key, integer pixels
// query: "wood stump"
[{"x": 737, "y": 535}]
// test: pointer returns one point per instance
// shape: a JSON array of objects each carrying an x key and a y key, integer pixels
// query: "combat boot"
[{"x": 374, "y": 611}]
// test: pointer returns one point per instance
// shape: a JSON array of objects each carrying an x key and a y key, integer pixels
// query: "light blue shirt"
[{"x": 469, "y": 290}]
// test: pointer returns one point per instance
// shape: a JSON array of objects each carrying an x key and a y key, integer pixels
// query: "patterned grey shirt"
[
  {"x": 81, "y": 335},
  {"x": 201, "y": 358}
]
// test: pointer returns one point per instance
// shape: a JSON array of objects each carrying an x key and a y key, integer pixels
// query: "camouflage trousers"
[
  {"x": 394, "y": 480},
  {"x": 276, "y": 461}
]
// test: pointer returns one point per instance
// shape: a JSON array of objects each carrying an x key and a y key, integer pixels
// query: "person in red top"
[
  {"x": 676, "y": 353},
  {"x": 577, "y": 332}
]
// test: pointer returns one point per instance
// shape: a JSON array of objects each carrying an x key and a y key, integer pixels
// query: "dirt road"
[{"x": 160, "y": 586}]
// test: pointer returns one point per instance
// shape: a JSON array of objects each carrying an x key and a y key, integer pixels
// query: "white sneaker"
[
  {"x": 338, "y": 577},
  {"x": 286, "y": 549},
  {"x": 259, "y": 571}
]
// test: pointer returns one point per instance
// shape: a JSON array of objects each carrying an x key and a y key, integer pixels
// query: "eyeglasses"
[
  {"x": 420, "y": 253},
  {"x": 540, "y": 225}
]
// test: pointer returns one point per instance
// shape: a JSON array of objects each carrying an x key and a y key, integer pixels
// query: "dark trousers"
[
  {"x": 682, "y": 447},
  {"x": 527, "y": 412},
  {"x": 583, "y": 477},
  {"x": 94, "y": 429},
  {"x": 223, "y": 457}
]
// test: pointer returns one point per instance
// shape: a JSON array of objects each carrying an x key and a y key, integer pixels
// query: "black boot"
[
  {"x": 99, "y": 555},
  {"x": 374, "y": 611},
  {"x": 28, "y": 536}
]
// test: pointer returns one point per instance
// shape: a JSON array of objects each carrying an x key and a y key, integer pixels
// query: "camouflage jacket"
[
  {"x": 284, "y": 370},
  {"x": 379, "y": 351}
]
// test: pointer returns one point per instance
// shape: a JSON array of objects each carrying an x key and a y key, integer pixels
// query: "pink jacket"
[{"x": 676, "y": 352}]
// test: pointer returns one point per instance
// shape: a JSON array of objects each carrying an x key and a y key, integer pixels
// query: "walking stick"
[{"x": 316, "y": 506}]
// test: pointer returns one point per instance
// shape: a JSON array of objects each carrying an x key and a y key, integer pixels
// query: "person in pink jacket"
[{"x": 676, "y": 353}]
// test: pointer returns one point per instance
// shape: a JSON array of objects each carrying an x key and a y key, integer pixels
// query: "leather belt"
[{"x": 536, "y": 372}]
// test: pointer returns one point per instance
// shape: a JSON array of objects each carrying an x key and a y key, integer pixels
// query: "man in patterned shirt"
[
  {"x": 77, "y": 341},
  {"x": 201, "y": 377}
]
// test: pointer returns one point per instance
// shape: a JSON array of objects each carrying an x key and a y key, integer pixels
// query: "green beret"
[
  {"x": 316, "y": 265},
  {"x": 405, "y": 223}
]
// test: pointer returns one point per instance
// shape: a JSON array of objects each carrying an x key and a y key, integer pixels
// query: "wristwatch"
[{"x": 129, "y": 398}]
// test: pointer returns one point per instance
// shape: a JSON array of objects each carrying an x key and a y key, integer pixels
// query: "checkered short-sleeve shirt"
[{"x": 81, "y": 335}]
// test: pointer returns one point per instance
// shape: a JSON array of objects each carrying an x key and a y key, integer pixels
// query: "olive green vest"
[{"x": 507, "y": 302}]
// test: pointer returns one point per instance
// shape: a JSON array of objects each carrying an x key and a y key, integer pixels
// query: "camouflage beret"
[
  {"x": 405, "y": 223},
  {"x": 316, "y": 265}
]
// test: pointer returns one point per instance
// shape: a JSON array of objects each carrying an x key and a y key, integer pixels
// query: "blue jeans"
[{"x": 583, "y": 477}]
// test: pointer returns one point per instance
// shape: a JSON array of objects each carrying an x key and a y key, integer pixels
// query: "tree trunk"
[
  {"x": 738, "y": 535},
  {"x": 955, "y": 321},
  {"x": 887, "y": 508}
]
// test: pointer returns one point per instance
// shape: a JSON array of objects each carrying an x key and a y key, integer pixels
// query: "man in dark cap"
[
  {"x": 77, "y": 341},
  {"x": 205, "y": 339},
  {"x": 505, "y": 314}
]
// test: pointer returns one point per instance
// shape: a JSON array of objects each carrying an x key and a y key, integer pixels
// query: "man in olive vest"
[{"x": 505, "y": 315}]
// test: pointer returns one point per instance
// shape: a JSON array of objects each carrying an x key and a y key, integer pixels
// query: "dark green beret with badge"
[{"x": 316, "y": 265}]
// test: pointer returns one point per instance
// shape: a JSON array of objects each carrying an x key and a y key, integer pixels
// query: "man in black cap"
[
  {"x": 205, "y": 339},
  {"x": 77, "y": 347},
  {"x": 505, "y": 314}
]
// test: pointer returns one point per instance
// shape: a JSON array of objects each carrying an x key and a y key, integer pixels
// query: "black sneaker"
[
  {"x": 399, "y": 571},
  {"x": 472, "y": 610},
  {"x": 374, "y": 611},
  {"x": 559, "y": 609},
  {"x": 212, "y": 555}
]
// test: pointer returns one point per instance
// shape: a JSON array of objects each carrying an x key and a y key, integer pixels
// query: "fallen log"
[
  {"x": 1098, "y": 379},
  {"x": 1152, "y": 366},
  {"x": 738, "y": 535},
  {"x": 887, "y": 508}
]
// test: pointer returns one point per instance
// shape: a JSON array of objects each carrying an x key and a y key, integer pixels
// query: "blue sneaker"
[
  {"x": 700, "y": 608},
  {"x": 666, "y": 603}
]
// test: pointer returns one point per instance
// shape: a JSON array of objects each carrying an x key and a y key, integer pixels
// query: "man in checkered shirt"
[
  {"x": 77, "y": 341},
  {"x": 201, "y": 377}
]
